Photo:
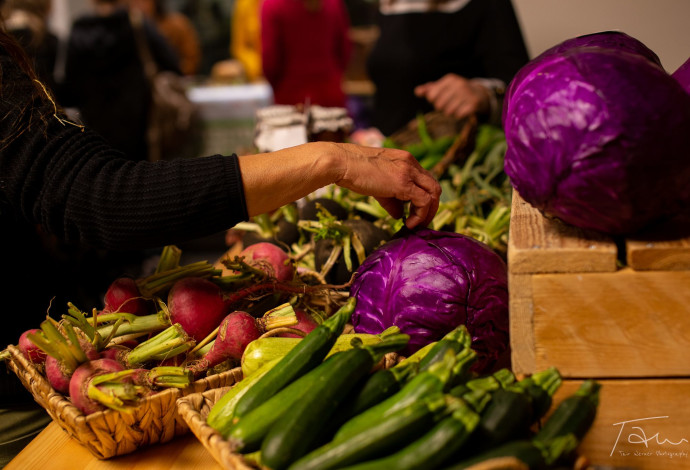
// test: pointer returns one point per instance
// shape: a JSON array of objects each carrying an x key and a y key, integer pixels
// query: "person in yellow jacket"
[{"x": 245, "y": 43}]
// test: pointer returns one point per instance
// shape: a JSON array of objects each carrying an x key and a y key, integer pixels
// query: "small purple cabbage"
[
  {"x": 597, "y": 135},
  {"x": 428, "y": 283}
]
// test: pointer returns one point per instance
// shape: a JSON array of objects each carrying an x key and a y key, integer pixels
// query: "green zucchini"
[
  {"x": 456, "y": 340},
  {"x": 262, "y": 350},
  {"x": 433, "y": 380},
  {"x": 398, "y": 429},
  {"x": 574, "y": 415},
  {"x": 247, "y": 433},
  {"x": 519, "y": 454},
  {"x": 307, "y": 354},
  {"x": 221, "y": 414},
  {"x": 433, "y": 448},
  {"x": 298, "y": 429}
]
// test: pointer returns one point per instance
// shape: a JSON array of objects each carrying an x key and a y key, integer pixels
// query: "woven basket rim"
[{"x": 110, "y": 432}]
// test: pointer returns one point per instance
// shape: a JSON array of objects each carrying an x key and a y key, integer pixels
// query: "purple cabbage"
[
  {"x": 682, "y": 75},
  {"x": 597, "y": 135},
  {"x": 428, "y": 283}
]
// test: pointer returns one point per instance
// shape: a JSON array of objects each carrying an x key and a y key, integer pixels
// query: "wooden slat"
[
  {"x": 623, "y": 324},
  {"x": 538, "y": 244},
  {"x": 521, "y": 326},
  {"x": 612, "y": 445},
  {"x": 665, "y": 248}
]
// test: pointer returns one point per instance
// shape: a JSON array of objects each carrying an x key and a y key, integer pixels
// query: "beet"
[
  {"x": 198, "y": 305},
  {"x": 29, "y": 349},
  {"x": 123, "y": 296},
  {"x": 269, "y": 258}
]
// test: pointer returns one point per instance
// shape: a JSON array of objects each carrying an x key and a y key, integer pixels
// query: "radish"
[
  {"x": 198, "y": 305},
  {"x": 65, "y": 351},
  {"x": 236, "y": 331},
  {"x": 305, "y": 323},
  {"x": 269, "y": 258},
  {"x": 30, "y": 349},
  {"x": 80, "y": 383},
  {"x": 123, "y": 296}
]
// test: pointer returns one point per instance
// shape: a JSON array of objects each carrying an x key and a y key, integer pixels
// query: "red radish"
[
  {"x": 58, "y": 376},
  {"x": 82, "y": 378},
  {"x": 271, "y": 259},
  {"x": 198, "y": 305},
  {"x": 123, "y": 296},
  {"x": 305, "y": 323},
  {"x": 237, "y": 330},
  {"x": 30, "y": 349},
  {"x": 59, "y": 371}
]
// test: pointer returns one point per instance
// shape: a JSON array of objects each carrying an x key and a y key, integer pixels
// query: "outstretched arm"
[{"x": 392, "y": 176}]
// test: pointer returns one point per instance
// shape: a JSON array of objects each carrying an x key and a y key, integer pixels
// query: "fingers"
[
  {"x": 452, "y": 95},
  {"x": 393, "y": 177}
]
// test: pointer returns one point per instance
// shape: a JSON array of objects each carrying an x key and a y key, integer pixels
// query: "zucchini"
[
  {"x": 377, "y": 387},
  {"x": 262, "y": 350},
  {"x": 433, "y": 448},
  {"x": 433, "y": 380},
  {"x": 307, "y": 354},
  {"x": 456, "y": 340},
  {"x": 298, "y": 429},
  {"x": 223, "y": 411},
  {"x": 514, "y": 454},
  {"x": 247, "y": 433},
  {"x": 574, "y": 415},
  {"x": 520, "y": 454},
  {"x": 398, "y": 429},
  {"x": 511, "y": 411}
]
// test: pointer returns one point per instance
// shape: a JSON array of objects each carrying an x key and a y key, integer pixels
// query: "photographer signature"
[{"x": 638, "y": 435}]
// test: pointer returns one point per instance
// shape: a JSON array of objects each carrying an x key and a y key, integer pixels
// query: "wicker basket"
[
  {"x": 194, "y": 409},
  {"x": 110, "y": 433}
]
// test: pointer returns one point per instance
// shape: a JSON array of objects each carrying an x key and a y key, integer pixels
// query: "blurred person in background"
[
  {"x": 177, "y": 29},
  {"x": 104, "y": 77},
  {"x": 456, "y": 56},
  {"x": 245, "y": 40},
  {"x": 27, "y": 21},
  {"x": 305, "y": 49}
]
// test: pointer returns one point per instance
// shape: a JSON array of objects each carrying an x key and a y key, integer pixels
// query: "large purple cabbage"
[
  {"x": 597, "y": 135},
  {"x": 682, "y": 75},
  {"x": 428, "y": 283}
]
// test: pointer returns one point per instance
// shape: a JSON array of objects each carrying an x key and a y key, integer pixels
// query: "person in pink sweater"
[{"x": 305, "y": 50}]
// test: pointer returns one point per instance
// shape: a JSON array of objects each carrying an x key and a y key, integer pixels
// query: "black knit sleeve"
[{"x": 75, "y": 186}]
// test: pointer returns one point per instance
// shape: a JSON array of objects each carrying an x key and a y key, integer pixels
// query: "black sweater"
[
  {"x": 63, "y": 186},
  {"x": 478, "y": 39}
]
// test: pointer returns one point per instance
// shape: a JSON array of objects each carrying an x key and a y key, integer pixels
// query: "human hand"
[
  {"x": 456, "y": 96},
  {"x": 393, "y": 177}
]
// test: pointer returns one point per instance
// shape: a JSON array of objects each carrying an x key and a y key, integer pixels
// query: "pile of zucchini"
[{"x": 311, "y": 410}]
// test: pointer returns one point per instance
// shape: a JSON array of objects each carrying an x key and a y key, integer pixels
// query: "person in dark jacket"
[
  {"x": 104, "y": 76},
  {"x": 60, "y": 181},
  {"x": 456, "y": 56}
]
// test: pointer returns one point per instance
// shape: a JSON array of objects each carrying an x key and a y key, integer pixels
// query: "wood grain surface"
[{"x": 54, "y": 449}]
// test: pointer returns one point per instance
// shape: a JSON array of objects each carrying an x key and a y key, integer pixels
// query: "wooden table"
[{"x": 54, "y": 449}]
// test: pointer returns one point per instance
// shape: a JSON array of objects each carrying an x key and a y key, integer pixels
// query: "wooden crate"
[{"x": 615, "y": 311}]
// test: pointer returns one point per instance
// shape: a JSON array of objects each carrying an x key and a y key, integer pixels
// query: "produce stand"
[{"x": 615, "y": 311}]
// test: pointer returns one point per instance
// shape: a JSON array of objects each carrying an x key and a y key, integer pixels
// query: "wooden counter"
[{"x": 53, "y": 449}]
